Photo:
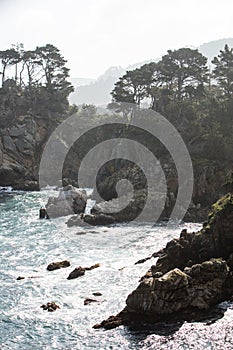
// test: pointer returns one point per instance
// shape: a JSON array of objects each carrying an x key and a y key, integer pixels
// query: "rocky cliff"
[
  {"x": 192, "y": 274},
  {"x": 21, "y": 145}
]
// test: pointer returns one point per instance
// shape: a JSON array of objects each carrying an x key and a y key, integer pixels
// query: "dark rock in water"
[
  {"x": 89, "y": 219},
  {"x": 42, "y": 213},
  {"x": 92, "y": 267},
  {"x": 88, "y": 301},
  {"x": 50, "y": 306},
  {"x": 30, "y": 277},
  {"x": 77, "y": 272},
  {"x": 99, "y": 220},
  {"x": 111, "y": 322},
  {"x": 58, "y": 265},
  {"x": 80, "y": 271},
  {"x": 193, "y": 273}
]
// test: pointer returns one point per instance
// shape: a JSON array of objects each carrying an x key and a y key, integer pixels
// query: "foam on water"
[{"x": 28, "y": 245}]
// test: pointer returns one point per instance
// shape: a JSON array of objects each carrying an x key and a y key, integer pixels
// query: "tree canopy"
[
  {"x": 40, "y": 80},
  {"x": 198, "y": 102}
]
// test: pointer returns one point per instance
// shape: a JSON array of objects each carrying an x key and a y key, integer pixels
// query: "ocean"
[{"x": 29, "y": 244}]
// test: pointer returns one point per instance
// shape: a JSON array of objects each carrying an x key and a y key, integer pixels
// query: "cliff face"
[
  {"x": 21, "y": 146},
  {"x": 209, "y": 179}
]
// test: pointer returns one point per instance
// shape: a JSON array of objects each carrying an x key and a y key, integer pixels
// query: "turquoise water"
[{"x": 28, "y": 245}]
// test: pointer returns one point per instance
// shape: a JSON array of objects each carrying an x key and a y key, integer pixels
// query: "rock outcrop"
[
  {"x": 209, "y": 179},
  {"x": 21, "y": 145},
  {"x": 77, "y": 272},
  {"x": 123, "y": 209},
  {"x": 80, "y": 271},
  {"x": 71, "y": 200},
  {"x": 192, "y": 274},
  {"x": 58, "y": 265},
  {"x": 50, "y": 307}
]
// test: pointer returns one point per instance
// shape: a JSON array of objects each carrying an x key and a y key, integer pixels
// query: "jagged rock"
[
  {"x": 17, "y": 131},
  {"x": 70, "y": 200},
  {"x": 93, "y": 220},
  {"x": 208, "y": 186},
  {"x": 192, "y": 274},
  {"x": 80, "y": 271},
  {"x": 99, "y": 219},
  {"x": 95, "y": 266},
  {"x": 20, "y": 278},
  {"x": 21, "y": 145},
  {"x": 77, "y": 272},
  {"x": 127, "y": 207},
  {"x": 199, "y": 286},
  {"x": 110, "y": 212},
  {"x": 58, "y": 265},
  {"x": 88, "y": 301},
  {"x": 76, "y": 220},
  {"x": 52, "y": 306},
  {"x": 9, "y": 145}
]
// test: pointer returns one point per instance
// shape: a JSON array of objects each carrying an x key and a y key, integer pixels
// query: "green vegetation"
[
  {"x": 33, "y": 82},
  {"x": 198, "y": 102},
  {"x": 221, "y": 206}
]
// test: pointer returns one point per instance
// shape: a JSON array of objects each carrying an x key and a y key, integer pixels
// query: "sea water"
[{"x": 28, "y": 245}]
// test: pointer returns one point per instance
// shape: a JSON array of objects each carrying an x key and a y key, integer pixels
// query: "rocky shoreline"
[
  {"x": 21, "y": 146},
  {"x": 192, "y": 275}
]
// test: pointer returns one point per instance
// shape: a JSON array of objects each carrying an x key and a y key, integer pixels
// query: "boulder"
[
  {"x": 77, "y": 272},
  {"x": 71, "y": 200},
  {"x": 99, "y": 219},
  {"x": 76, "y": 220},
  {"x": 95, "y": 266},
  {"x": 58, "y": 265},
  {"x": 80, "y": 271}
]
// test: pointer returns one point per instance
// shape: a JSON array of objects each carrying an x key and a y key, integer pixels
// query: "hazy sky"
[{"x": 96, "y": 34}]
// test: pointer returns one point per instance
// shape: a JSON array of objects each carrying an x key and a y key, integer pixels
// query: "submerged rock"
[
  {"x": 192, "y": 274},
  {"x": 58, "y": 265}
]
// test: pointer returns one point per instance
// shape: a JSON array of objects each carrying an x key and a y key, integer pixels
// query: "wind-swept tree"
[
  {"x": 55, "y": 73},
  {"x": 223, "y": 70},
  {"x": 8, "y": 58}
]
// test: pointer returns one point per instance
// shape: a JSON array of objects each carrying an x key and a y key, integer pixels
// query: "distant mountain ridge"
[{"x": 97, "y": 91}]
